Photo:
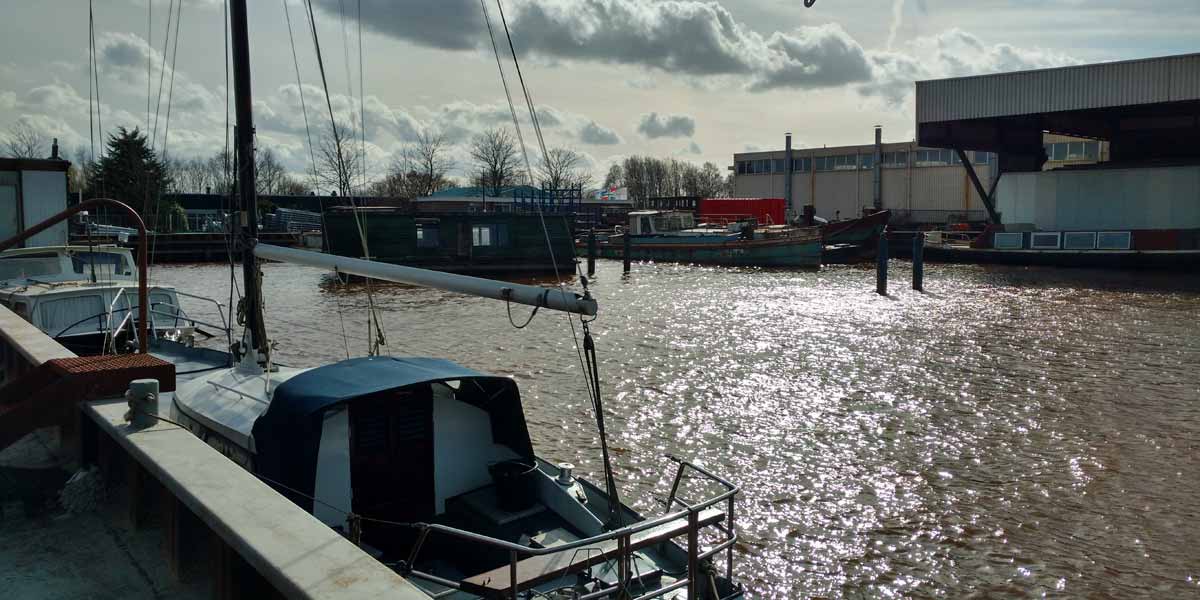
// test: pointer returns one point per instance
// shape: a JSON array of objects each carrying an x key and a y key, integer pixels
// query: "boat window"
[
  {"x": 29, "y": 265},
  {"x": 60, "y": 313},
  {"x": 645, "y": 226},
  {"x": 107, "y": 263},
  {"x": 164, "y": 307},
  {"x": 481, "y": 235},
  {"x": 427, "y": 235}
]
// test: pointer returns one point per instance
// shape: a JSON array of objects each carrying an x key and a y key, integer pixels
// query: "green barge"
[{"x": 455, "y": 242}]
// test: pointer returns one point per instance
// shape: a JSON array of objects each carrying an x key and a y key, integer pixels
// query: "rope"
[
  {"x": 362, "y": 236},
  {"x": 589, "y": 367},
  {"x": 312, "y": 156},
  {"x": 162, "y": 71},
  {"x": 166, "y": 134},
  {"x": 91, "y": 67}
]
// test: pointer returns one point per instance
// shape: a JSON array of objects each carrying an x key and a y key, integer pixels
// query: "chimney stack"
[
  {"x": 878, "y": 168},
  {"x": 789, "y": 212},
  {"x": 54, "y": 150}
]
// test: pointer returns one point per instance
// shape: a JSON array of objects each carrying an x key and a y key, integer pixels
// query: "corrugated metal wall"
[
  {"x": 914, "y": 189},
  {"x": 1167, "y": 79},
  {"x": 1145, "y": 198}
]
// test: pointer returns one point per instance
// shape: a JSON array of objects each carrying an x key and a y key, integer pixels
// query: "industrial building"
[
  {"x": 1140, "y": 120},
  {"x": 920, "y": 185}
]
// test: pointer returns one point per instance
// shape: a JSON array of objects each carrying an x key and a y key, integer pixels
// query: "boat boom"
[{"x": 532, "y": 295}]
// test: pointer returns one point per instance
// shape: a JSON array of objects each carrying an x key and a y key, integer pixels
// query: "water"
[{"x": 1011, "y": 433}]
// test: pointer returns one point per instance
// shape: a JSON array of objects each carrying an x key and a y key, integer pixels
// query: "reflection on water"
[{"x": 1012, "y": 432}]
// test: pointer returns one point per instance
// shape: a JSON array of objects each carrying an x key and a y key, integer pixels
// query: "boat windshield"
[
  {"x": 24, "y": 266},
  {"x": 672, "y": 222},
  {"x": 105, "y": 263}
]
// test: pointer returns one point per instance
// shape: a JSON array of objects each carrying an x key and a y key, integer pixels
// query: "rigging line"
[
  {"x": 529, "y": 175},
  {"x": 362, "y": 130},
  {"x": 149, "y": 38},
  {"x": 91, "y": 65},
  {"x": 166, "y": 137},
  {"x": 162, "y": 71},
  {"x": 312, "y": 155}
]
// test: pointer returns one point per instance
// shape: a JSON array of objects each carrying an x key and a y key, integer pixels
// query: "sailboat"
[{"x": 428, "y": 465}]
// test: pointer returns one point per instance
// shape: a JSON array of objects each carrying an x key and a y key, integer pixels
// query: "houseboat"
[
  {"x": 673, "y": 236},
  {"x": 455, "y": 242}
]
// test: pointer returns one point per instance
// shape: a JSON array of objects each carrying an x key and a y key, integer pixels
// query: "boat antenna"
[{"x": 252, "y": 301}]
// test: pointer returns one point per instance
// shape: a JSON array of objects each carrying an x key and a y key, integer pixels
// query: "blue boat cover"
[{"x": 287, "y": 436}]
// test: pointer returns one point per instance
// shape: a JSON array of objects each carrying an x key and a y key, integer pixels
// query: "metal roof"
[{"x": 1083, "y": 87}]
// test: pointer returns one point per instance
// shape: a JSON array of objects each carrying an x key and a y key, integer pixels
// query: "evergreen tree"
[{"x": 130, "y": 172}]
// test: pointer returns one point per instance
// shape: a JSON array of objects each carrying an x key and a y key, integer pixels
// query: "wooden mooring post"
[
  {"x": 628, "y": 251},
  {"x": 881, "y": 266},
  {"x": 918, "y": 259},
  {"x": 591, "y": 251}
]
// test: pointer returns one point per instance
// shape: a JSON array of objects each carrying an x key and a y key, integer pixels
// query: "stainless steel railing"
[{"x": 623, "y": 536}]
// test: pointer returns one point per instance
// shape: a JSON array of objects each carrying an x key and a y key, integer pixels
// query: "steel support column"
[{"x": 988, "y": 200}]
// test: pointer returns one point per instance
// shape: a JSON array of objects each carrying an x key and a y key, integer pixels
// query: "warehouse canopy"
[{"x": 1147, "y": 109}]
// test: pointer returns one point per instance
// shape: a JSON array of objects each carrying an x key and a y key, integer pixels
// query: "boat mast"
[{"x": 245, "y": 174}]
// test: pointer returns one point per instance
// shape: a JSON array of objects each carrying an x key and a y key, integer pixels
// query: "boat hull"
[
  {"x": 854, "y": 241},
  {"x": 753, "y": 253},
  {"x": 1188, "y": 260}
]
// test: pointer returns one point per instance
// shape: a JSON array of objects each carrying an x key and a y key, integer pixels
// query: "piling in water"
[
  {"x": 591, "y": 251},
  {"x": 881, "y": 265},
  {"x": 628, "y": 251},
  {"x": 918, "y": 258}
]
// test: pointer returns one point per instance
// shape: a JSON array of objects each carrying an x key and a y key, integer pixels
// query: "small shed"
[{"x": 32, "y": 190}]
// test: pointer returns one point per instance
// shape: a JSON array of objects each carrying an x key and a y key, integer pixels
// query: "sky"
[{"x": 695, "y": 80}]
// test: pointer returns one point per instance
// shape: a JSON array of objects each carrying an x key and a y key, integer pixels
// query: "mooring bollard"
[
  {"x": 919, "y": 261},
  {"x": 881, "y": 265},
  {"x": 592, "y": 251},
  {"x": 628, "y": 251}
]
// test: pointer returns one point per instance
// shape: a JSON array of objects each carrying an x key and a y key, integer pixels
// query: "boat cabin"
[
  {"x": 655, "y": 222},
  {"x": 427, "y": 464},
  {"x": 85, "y": 297}
]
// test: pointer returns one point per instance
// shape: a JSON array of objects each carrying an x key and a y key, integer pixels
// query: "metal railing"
[{"x": 623, "y": 537}]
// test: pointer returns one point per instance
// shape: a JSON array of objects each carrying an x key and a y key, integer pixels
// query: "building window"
[
  {"x": 983, "y": 158},
  {"x": 802, "y": 164},
  {"x": 741, "y": 167},
  {"x": 1060, "y": 152},
  {"x": 1075, "y": 151},
  {"x": 845, "y": 162},
  {"x": 895, "y": 159},
  {"x": 1091, "y": 150},
  {"x": 867, "y": 161},
  {"x": 779, "y": 165},
  {"x": 823, "y": 163}
]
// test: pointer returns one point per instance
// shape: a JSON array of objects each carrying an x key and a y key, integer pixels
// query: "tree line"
[
  {"x": 649, "y": 177},
  {"x": 130, "y": 169}
]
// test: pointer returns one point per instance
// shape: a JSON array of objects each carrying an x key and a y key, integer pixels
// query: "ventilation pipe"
[
  {"x": 878, "y": 169},
  {"x": 789, "y": 211}
]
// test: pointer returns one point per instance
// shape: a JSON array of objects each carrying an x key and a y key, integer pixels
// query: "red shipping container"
[{"x": 768, "y": 211}]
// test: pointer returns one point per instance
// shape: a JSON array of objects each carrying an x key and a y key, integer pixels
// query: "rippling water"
[{"x": 1010, "y": 433}]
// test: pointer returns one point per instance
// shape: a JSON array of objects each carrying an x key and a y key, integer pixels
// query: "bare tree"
[
  {"x": 496, "y": 160},
  {"x": 615, "y": 176},
  {"x": 338, "y": 164},
  {"x": 270, "y": 175},
  {"x": 24, "y": 141},
  {"x": 423, "y": 164},
  {"x": 565, "y": 168}
]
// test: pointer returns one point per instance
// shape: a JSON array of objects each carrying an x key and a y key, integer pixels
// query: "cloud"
[
  {"x": 701, "y": 41},
  {"x": 951, "y": 53},
  {"x": 598, "y": 135},
  {"x": 693, "y": 148},
  {"x": 655, "y": 126}
]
